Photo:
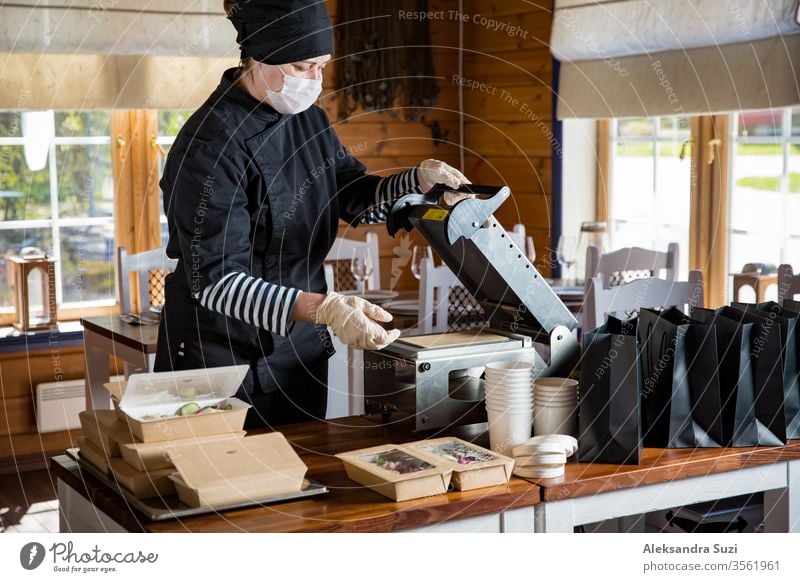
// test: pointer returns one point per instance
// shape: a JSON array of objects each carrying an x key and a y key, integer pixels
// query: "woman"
[{"x": 254, "y": 187}]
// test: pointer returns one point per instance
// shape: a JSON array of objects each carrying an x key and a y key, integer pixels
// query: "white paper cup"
[
  {"x": 508, "y": 406},
  {"x": 509, "y": 366},
  {"x": 573, "y": 395},
  {"x": 550, "y": 392},
  {"x": 509, "y": 397},
  {"x": 498, "y": 399},
  {"x": 512, "y": 385},
  {"x": 555, "y": 420},
  {"x": 554, "y": 403},
  {"x": 555, "y": 384},
  {"x": 504, "y": 379},
  {"x": 508, "y": 429},
  {"x": 509, "y": 374},
  {"x": 515, "y": 409}
]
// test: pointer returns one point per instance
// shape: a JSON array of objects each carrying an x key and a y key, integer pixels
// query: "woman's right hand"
[{"x": 355, "y": 321}]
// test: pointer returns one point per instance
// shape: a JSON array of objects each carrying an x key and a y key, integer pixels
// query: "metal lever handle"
[{"x": 493, "y": 197}]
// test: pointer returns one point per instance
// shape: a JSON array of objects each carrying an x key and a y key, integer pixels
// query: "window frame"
[
  {"x": 55, "y": 223},
  {"x": 785, "y": 140},
  {"x": 608, "y": 132}
]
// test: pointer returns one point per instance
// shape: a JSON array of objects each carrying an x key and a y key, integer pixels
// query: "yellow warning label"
[{"x": 435, "y": 214}]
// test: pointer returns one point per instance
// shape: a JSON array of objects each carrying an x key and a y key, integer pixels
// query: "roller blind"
[
  {"x": 630, "y": 58},
  {"x": 117, "y": 54}
]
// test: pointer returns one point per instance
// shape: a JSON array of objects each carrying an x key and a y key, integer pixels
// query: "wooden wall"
[
  {"x": 506, "y": 142},
  {"x": 19, "y": 374},
  {"x": 387, "y": 144},
  {"x": 508, "y": 121}
]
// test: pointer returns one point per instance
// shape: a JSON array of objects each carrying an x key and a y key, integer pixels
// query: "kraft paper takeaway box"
[
  {"x": 163, "y": 406},
  {"x": 154, "y": 456},
  {"x": 473, "y": 466},
  {"x": 236, "y": 470},
  {"x": 397, "y": 472},
  {"x": 105, "y": 430},
  {"x": 142, "y": 484},
  {"x": 93, "y": 455}
]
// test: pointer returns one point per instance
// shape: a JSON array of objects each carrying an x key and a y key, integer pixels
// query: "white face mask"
[{"x": 297, "y": 94}]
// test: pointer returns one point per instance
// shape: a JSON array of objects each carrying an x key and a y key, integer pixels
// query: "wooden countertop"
[
  {"x": 138, "y": 337},
  {"x": 348, "y": 507},
  {"x": 659, "y": 466}
]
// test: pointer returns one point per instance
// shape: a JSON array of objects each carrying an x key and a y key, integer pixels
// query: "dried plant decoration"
[{"x": 387, "y": 63}]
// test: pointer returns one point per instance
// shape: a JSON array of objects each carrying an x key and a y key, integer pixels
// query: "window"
[
  {"x": 66, "y": 208},
  {"x": 650, "y": 185},
  {"x": 765, "y": 188}
]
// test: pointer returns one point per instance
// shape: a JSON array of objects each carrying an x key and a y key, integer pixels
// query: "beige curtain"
[
  {"x": 107, "y": 82},
  {"x": 634, "y": 58},
  {"x": 85, "y": 54}
]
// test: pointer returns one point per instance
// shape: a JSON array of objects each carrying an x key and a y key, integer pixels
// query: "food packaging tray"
[{"x": 170, "y": 507}]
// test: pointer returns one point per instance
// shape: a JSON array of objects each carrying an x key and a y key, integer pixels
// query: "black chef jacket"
[{"x": 247, "y": 189}]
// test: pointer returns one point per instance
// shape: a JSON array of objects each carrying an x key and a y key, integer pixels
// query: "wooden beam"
[
  {"x": 708, "y": 224},
  {"x": 603, "y": 170}
]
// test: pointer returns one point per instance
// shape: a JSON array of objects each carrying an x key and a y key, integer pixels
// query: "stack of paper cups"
[
  {"x": 555, "y": 406},
  {"x": 509, "y": 404},
  {"x": 543, "y": 457}
]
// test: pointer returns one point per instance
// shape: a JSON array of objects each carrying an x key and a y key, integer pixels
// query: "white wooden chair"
[
  {"x": 630, "y": 263},
  {"x": 788, "y": 283},
  {"x": 434, "y": 297},
  {"x": 443, "y": 302},
  {"x": 142, "y": 265},
  {"x": 648, "y": 292},
  {"x": 340, "y": 256},
  {"x": 345, "y": 367}
]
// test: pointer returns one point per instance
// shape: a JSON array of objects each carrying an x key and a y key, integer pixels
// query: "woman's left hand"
[{"x": 431, "y": 172}]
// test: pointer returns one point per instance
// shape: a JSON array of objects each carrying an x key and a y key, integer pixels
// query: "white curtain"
[
  {"x": 625, "y": 58},
  {"x": 91, "y": 54}
]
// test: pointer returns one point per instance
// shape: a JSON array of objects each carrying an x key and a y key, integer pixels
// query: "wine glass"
[
  {"x": 530, "y": 250},
  {"x": 362, "y": 266},
  {"x": 418, "y": 256},
  {"x": 566, "y": 253}
]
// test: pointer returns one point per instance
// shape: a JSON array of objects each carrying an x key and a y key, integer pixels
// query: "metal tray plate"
[{"x": 171, "y": 507}]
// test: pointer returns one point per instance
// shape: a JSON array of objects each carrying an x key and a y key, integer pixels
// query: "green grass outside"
[{"x": 771, "y": 183}]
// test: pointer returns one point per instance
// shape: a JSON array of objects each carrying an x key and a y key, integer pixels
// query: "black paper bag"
[
  {"x": 681, "y": 404},
  {"x": 774, "y": 314},
  {"x": 609, "y": 397},
  {"x": 751, "y": 381}
]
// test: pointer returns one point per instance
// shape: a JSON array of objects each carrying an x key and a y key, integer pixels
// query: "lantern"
[{"x": 33, "y": 285}]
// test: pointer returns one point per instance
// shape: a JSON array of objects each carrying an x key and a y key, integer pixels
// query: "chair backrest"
[
  {"x": 651, "y": 292},
  {"x": 434, "y": 296},
  {"x": 625, "y": 265},
  {"x": 341, "y": 254},
  {"x": 142, "y": 264},
  {"x": 788, "y": 283},
  {"x": 444, "y": 302},
  {"x": 517, "y": 234}
]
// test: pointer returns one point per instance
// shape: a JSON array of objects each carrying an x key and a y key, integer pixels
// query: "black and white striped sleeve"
[
  {"x": 252, "y": 300},
  {"x": 388, "y": 190}
]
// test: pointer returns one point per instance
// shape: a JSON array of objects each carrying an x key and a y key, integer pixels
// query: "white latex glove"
[
  {"x": 353, "y": 320},
  {"x": 431, "y": 172}
]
